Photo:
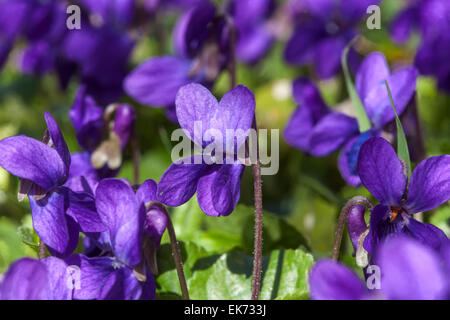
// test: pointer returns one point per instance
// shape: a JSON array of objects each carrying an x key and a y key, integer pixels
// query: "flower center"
[{"x": 394, "y": 213}]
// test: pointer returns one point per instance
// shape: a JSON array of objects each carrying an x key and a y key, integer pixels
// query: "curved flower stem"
[
  {"x": 342, "y": 220},
  {"x": 136, "y": 156},
  {"x": 175, "y": 250}
]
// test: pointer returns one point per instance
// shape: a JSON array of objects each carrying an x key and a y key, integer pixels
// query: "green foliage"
[
  {"x": 441, "y": 219},
  {"x": 220, "y": 235},
  {"x": 15, "y": 242},
  {"x": 229, "y": 275}
]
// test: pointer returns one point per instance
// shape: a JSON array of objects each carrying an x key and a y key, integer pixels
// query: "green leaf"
[
  {"x": 229, "y": 276},
  {"x": 11, "y": 246},
  {"x": 167, "y": 279},
  {"x": 360, "y": 112},
  {"x": 222, "y": 234},
  {"x": 402, "y": 144}
]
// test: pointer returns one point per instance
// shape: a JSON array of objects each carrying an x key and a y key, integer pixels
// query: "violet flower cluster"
[
  {"x": 413, "y": 257},
  {"x": 429, "y": 18},
  {"x": 66, "y": 200},
  {"x": 318, "y": 130}
]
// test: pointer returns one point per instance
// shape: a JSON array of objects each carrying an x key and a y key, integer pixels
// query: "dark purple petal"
[
  {"x": 218, "y": 193},
  {"x": 425, "y": 233},
  {"x": 196, "y": 106},
  {"x": 58, "y": 140},
  {"x": 322, "y": 9},
  {"x": 84, "y": 109},
  {"x": 124, "y": 123},
  {"x": 310, "y": 110},
  {"x": 298, "y": 130},
  {"x": 429, "y": 185},
  {"x": 356, "y": 224},
  {"x": 327, "y": 56},
  {"x": 118, "y": 209},
  {"x": 112, "y": 11},
  {"x": 155, "y": 224},
  {"x": 377, "y": 103},
  {"x": 410, "y": 271},
  {"x": 121, "y": 285},
  {"x": 26, "y": 279},
  {"x": 13, "y": 16},
  {"x": 156, "y": 81},
  {"x": 82, "y": 176},
  {"x": 381, "y": 171},
  {"x": 402, "y": 25},
  {"x": 81, "y": 207},
  {"x": 371, "y": 73},
  {"x": 30, "y": 159},
  {"x": 58, "y": 278},
  {"x": 331, "y": 132},
  {"x": 94, "y": 275},
  {"x": 381, "y": 228},
  {"x": 306, "y": 93},
  {"x": 87, "y": 119},
  {"x": 348, "y": 158},
  {"x": 179, "y": 183},
  {"x": 345, "y": 161},
  {"x": 330, "y": 280},
  {"x": 300, "y": 48},
  {"x": 149, "y": 287},
  {"x": 351, "y": 11},
  {"x": 147, "y": 191},
  {"x": 57, "y": 230},
  {"x": 38, "y": 58}
]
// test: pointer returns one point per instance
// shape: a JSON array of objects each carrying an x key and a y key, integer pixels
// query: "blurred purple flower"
[
  {"x": 251, "y": 18},
  {"x": 409, "y": 271},
  {"x": 201, "y": 46},
  {"x": 384, "y": 175},
  {"x": 122, "y": 274},
  {"x": 58, "y": 213},
  {"x": 217, "y": 185},
  {"x": 323, "y": 29},
  {"x": 430, "y": 18},
  {"x": 316, "y": 129},
  {"x": 29, "y": 279},
  {"x": 103, "y": 133}
]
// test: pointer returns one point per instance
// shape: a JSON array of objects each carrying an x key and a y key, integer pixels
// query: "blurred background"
[{"x": 307, "y": 192}]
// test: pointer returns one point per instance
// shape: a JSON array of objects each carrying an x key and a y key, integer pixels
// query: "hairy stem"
[
  {"x": 343, "y": 219},
  {"x": 42, "y": 249},
  {"x": 136, "y": 156},
  {"x": 175, "y": 250},
  {"x": 257, "y": 185}
]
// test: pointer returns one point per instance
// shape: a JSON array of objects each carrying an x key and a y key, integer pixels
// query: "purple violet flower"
[
  {"x": 409, "y": 271},
  {"x": 316, "y": 129},
  {"x": 384, "y": 175},
  {"x": 104, "y": 133},
  {"x": 201, "y": 46},
  {"x": 430, "y": 18},
  {"x": 217, "y": 185},
  {"x": 251, "y": 18},
  {"x": 30, "y": 279},
  {"x": 323, "y": 29}
]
